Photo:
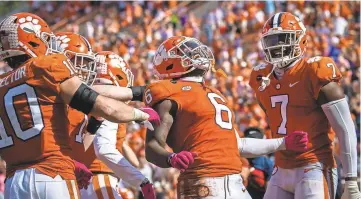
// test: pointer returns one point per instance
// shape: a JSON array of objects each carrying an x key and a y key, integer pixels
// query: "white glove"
[{"x": 351, "y": 191}]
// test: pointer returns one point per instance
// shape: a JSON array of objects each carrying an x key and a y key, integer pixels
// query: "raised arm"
[
  {"x": 83, "y": 98},
  {"x": 120, "y": 93}
]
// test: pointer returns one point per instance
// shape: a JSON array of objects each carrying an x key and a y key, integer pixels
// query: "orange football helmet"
[
  {"x": 112, "y": 69},
  {"x": 180, "y": 55},
  {"x": 283, "y": 39},
  {"x": 25, "y": 34},
  {"x": 80, "y": 53}
]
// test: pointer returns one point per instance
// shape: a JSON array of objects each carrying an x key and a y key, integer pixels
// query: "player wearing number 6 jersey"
[
  {"x": 198, "y": 125},
  {"x": 33, "y": 122},
  {"x": 304, "y": 95}
]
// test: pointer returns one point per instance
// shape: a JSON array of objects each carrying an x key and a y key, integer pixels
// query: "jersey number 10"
[{"x": 35, "y": 113}]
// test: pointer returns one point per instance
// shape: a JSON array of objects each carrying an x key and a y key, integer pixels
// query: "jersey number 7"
[{"x": 283, "y": 99}]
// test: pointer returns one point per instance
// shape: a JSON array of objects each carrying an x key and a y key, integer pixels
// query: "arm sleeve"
[
  {"x": 106, "y": 151},
  {"x": 322, "y": 73},
  {"x": 338, "y": 114},
  {"x": 251, "y": 147}
]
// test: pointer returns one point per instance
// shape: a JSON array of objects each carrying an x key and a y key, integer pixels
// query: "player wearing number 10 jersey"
[
  {"x": 34, "y": 99},
  {"x": 304, "y": 94},
  {"x": 197, "y": 124}
]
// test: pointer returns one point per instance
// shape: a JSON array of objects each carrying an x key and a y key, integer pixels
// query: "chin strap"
[
  {"x": 219, "y": 72},
  {"x": 266, "y": 80}
]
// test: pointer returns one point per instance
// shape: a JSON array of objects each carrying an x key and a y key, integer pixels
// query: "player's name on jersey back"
[{"x": 13, "y": 76}]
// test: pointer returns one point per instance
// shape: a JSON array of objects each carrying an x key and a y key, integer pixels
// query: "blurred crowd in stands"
[{"x": 134, "y": 30}]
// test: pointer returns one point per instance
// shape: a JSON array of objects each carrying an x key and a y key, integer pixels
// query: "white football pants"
[
  {"x": 226, "y": 187},
  {"x": 313, "y": 181},
  {"x": 103, "y": 186},
  {"x": 31, "y": 184}
]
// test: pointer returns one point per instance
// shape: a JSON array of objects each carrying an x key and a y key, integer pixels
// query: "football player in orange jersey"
[
  {"x": 105, "y": 158},
  {"x": 198, "y": 125},
  {"x": 33, "y": 124},
  {"x": 304, "y": 95},
  {"x": 111, "y": 70},
  {"x": 79, "y": 51}
]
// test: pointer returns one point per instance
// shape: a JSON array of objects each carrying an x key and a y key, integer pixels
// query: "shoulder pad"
[
  {"x": 259, "y": 71},
  {"x": 322, "y": 70},
  {"x": 156, "y": 92},
  {"x": 260, "y": 67},
  {"x": 56, "y": 67}
]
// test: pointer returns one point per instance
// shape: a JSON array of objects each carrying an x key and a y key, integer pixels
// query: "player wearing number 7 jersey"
[
  {"x": 304, "y": 95},
  {"x": 33, "y": 119},
  {"x": 198, "y": 125}
]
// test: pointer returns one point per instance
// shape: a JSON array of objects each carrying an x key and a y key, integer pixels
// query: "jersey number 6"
[{"x": 219, "y": 109}]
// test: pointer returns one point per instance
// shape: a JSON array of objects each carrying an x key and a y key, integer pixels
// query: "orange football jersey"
[
  {"x": 203, "y": 124},
  {"x": 33, "y": 120},
  {"x": 78, "y": 123},
  {"x": 291, "y": 105}
]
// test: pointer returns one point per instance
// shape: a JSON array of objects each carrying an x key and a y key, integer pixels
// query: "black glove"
[
  {"x": 138, "y": 92},
  {"x": 93, "y": 125}
]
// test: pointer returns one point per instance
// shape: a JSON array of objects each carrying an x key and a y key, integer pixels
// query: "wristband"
[
  {"x": 145, "y": 182},
  {"x": 170, "y": 158},
  {"x": 137, "y": 93},
  {"x": 93, "y": 125}
]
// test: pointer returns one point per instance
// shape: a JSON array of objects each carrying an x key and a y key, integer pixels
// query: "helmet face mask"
[
  {"x": 187, "y": 55},
  {"x": 193, "y": 53},
  {"x": 85, "y": 66},
  {"x": 285, "y": 42},
  {"x": 281, "y": 48},
  {"x": 79, "y": 51}
]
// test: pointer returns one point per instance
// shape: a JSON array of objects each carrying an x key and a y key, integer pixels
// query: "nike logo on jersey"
[{"x": 291, "y": 85}]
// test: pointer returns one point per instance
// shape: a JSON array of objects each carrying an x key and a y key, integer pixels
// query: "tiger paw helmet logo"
[
  {"x": 62, "y": 42},
  {"x": 117, "y": 61},
  {"x": 30, "y": 25}
]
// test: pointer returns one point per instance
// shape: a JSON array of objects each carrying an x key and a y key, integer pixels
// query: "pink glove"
[
  {"x": 153, "y": 115},
  {"x": 297, "y": 141},
  {"x": 83, "y": 175},
  {"x": 148, "y": 191},
  {"x": 181, "y": 160}
]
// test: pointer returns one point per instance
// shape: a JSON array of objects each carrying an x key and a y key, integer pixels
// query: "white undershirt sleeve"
[
  {"x": 252, "y": 147},
  {"x": 105, "y": 149},
  {"x": 339, "y": 116}
]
